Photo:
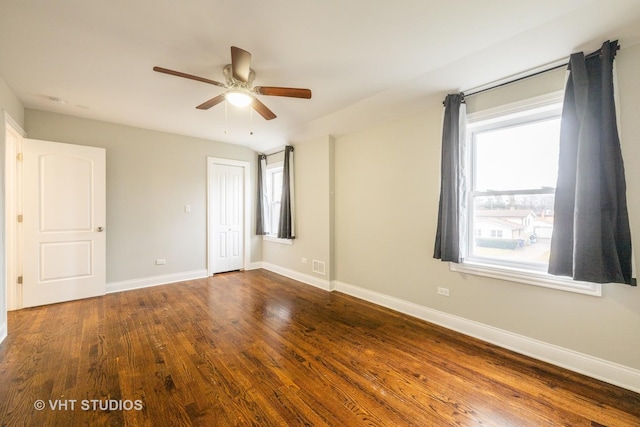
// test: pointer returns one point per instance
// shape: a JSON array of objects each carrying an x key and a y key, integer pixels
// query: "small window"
[
  {"x": 274, "y": 196},
  {"x": 496, "y": 233}
]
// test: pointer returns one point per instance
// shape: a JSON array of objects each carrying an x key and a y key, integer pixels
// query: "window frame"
[
  {"x": 272, "y": 236},
  {"x": 526, "y": 111}
]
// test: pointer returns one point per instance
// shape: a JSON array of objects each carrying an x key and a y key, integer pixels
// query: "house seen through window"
[{"x": 512, "y": 173}]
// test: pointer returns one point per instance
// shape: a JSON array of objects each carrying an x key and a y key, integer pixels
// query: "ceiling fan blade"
[
  {"x": 188, "y": 76},
  {"x": 262, "y": 109},
  {"x": 283, "y": 91},
  {"x": 240, "y": 64},
  {"x": 210, "y": 103}
]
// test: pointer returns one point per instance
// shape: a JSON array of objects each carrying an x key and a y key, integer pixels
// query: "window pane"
[
  {"x": 515, "y": 228},
  {"x": 277, "y": 186},
  {"x": 274, "y": 218},
  {"x": 274, "y": 194},
  {"x": 517, "y": 157}
]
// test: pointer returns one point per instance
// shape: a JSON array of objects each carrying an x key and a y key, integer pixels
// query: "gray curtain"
[
  {"x": 286, "y": 225},
  {"x": 591, "y": 237},
  {"x": 447, "y": 245},
  {"x": 261, "y": 199}
]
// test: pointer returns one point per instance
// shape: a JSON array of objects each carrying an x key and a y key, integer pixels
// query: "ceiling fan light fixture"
[
  {"x": 239, "y": 85},
  {"x": 238, "y": 98}
]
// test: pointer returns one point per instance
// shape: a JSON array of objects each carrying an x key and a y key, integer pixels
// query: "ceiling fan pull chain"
[
  {"x": 226, "y": 118},
  {"x": 250, "y": 121}
]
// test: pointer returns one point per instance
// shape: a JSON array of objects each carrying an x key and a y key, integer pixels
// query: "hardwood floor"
[{"x": 255, "y": 348}]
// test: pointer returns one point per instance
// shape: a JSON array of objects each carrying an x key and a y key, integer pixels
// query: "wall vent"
[{"x": 318, "y": 267}]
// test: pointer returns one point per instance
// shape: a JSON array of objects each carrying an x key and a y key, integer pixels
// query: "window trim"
[
  {"x": 494, "y": 269},
  {"x": 529, "y": 277},
  {"x": 267, "y": 238}
]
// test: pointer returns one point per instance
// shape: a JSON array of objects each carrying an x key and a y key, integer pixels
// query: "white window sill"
[
  {"x": 276, "y": 240},
  {"x": 529, "y": 277}
]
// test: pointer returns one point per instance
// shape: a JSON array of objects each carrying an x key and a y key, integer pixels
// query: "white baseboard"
[
  {"x": 300, "y": 277},
  {"x": 254, "y": 265},
  {"x": 145, "y": 282},
  {"x": 3, "y": 331},
  {"x": 594, "y": 367}
]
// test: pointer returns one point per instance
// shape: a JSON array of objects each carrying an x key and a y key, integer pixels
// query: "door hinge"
[
  {"x": 19, "y": 157},
  {"x": 20, "y": 218},
  {"x": 19, "y": 280}
]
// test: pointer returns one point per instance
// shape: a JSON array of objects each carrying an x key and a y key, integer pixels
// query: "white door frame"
[
  {"x": 246, "y": 167},
  {"x": 12, "y": 179}
]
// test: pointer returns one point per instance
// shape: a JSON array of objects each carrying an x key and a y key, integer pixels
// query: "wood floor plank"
[{"x": 255, "y": 348}]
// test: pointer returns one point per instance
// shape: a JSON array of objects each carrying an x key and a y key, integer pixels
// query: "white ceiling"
[{"x": 366, "y": 61}]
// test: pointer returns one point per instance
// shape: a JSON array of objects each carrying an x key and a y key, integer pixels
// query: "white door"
[
  {"x": 226, "y": 188},
  {"x": 64, "y": 242}
]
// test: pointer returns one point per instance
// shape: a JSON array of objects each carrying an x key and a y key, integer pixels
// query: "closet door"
[{"x": 226, "y": 189}]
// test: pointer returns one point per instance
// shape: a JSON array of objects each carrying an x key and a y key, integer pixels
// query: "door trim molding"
[
  {"x": 247, "y": 206},
  {"x": 3, "y": 331},
  {"x": 9, "y": 120},
  {"x": 13, "y": 296}
]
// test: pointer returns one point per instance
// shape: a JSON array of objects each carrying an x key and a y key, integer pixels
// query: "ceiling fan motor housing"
[{"x": 233, "y": 83}]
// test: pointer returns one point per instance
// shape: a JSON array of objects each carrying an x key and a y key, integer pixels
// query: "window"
[
  {"x": 511, "y": 172},
  {"x": 513, "y": 161},
  {"x": 274, "y": 196}
]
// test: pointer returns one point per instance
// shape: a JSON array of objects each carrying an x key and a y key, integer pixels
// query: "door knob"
[{"x": 100, "y": 229}]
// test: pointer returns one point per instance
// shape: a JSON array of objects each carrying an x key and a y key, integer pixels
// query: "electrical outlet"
[
  {"x": 161, "y": 261},
  {"x": 304, "y": 260},
  {"x": 443, "y": 292}
]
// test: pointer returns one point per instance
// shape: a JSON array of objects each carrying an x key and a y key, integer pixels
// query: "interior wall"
[
  {"x": 151, "y": 176},
  {"x": 542, "y": 84},
  {"x": 313, "y": 192},
  {"x": 10, "y": 105},
  {"x": 387, "y": 192}
]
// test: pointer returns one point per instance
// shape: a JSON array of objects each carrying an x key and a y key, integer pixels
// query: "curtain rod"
[
  {"x": 274, "y": 153},
  {"x": 555, "y": 67},
  {"x": 277, "y": 152}
]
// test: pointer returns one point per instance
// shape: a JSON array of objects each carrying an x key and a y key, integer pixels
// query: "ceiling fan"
[{"x": 239, "y": 84}]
